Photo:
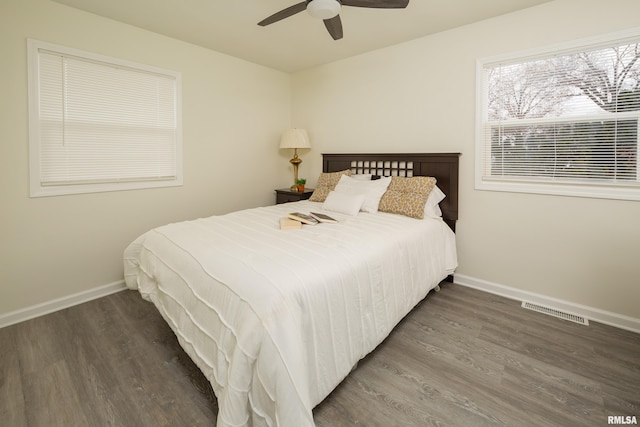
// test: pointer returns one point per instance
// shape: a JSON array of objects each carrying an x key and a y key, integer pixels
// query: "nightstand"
[{"x": 285, "y": 195}]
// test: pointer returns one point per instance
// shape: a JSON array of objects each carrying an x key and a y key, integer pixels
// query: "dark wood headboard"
[{"x": 442, "y": 166}]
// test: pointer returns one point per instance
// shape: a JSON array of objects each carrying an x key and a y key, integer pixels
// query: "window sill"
[{"x": 555, "y": 189}]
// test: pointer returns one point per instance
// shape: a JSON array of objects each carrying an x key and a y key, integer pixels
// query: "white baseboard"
[
  {"x": 608, "y": 318},
  {"x": 60, "y": 303}
]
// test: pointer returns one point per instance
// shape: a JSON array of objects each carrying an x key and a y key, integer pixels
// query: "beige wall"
[
  {"x": 233, "y": 113},
  {"x": 420, "y": 96}
]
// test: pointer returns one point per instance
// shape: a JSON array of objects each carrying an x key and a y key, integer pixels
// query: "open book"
[
  {"x": 322, "y": 217},
  {"x": 303, "y": 218}
]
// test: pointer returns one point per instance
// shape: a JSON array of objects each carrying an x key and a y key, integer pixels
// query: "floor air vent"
[{"x": 555, "y": 313}]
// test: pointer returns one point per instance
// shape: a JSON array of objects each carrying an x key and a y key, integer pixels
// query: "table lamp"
[{"x": 295, "y": 138}]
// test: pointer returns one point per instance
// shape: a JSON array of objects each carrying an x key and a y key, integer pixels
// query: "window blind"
[
  {"x": 101, "y": 124},
  {"x": 566, "y": 118}
]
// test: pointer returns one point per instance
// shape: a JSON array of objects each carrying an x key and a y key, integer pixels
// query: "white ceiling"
[{"x": 297, "y": 42}]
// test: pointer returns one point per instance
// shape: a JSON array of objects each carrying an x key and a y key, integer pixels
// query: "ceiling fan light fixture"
[{"x": 323, "y": 9}]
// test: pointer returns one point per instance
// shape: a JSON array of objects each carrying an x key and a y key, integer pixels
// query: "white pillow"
[
  {"x": 432, "y": 208},
  {"x": 348, "y": 204},
  {"x": 372, "y": 190}
]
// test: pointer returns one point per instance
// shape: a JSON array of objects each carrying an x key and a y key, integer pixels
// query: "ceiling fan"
[{"x": 328, "y": 11}]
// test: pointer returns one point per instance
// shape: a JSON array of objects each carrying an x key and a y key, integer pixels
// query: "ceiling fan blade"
[
  {"x": 284, "y": 13},
  {"x": 334, "y": 26},
  {"x": 380, "y": 4}
]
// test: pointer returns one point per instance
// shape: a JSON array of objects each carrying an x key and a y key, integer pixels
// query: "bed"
[{"x": 276, "y": 319}]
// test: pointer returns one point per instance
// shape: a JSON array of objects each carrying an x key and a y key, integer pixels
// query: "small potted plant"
[{"x": 300, "y": 183}]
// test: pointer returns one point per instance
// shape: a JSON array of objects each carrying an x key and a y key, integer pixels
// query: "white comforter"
[{"x": 275, "y": 319}]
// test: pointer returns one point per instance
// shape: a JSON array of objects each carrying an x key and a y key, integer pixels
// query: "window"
[
  {"x": 562, "y": 121},
  {"x": 100, "y": 124}
]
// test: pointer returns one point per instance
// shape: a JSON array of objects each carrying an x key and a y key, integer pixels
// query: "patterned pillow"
[
  {"x": 326, "y": 183},
  {"x": 407, "y": 196}
]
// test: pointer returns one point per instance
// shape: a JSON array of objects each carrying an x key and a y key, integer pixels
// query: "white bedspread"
[{"x": 275, "y": 319}]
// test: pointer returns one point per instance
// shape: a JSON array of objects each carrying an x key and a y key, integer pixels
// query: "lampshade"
[
  {"x": 323, "y": 9},
  {"x": 295, "y": 138}
]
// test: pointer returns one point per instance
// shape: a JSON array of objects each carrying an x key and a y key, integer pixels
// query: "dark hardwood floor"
[{"x": 460, "y": 358}]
